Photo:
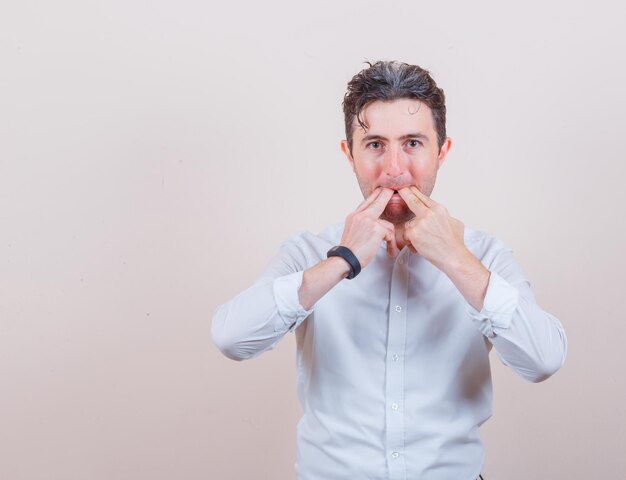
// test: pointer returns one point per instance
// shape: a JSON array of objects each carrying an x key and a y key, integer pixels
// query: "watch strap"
[{"x": 348, "y": 256}]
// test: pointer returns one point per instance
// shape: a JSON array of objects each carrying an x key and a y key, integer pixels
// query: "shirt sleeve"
[
  {"x": 526, "y": 338},
  {"x": 255, "y": 320}
]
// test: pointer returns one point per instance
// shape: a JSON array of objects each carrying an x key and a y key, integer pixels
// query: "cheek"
[
  {"x": 424, "y": 177},
  {"x": 419, "y": 169},
  {"x": 369, "y": 171}
]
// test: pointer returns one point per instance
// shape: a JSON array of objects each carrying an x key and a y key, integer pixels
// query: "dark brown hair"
[{"x": 388, "y": 81}]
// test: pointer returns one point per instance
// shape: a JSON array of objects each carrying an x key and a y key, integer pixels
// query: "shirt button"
[
  {"x": 395, "y": 455},
  {"x": 395, "y": 358},
  {"x": 398, "y": 308},
  {"x": 394, "y": 406},
  {"x": 401, "y": 262}
]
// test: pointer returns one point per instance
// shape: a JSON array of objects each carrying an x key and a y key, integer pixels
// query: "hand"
[
  {"x": 364, "y": 230},
  {"x": 433, "y": 233}
]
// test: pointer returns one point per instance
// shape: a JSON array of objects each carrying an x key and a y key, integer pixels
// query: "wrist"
[
  {"x": 459, "y": 262},
  {"x": 319, "y": 279},
  {"x": 339, "y": 265},
  {"x": 348, "y": 256}
]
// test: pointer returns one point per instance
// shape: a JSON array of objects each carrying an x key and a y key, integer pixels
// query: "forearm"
[
  {"x": 526, "y": 338},
  {"x": 249, "y": 323},
  {"x": 320, "y": 279},
  {"x": 534, "y": 344},
  {"x": 253, "y": 321},
  {"x": 470, "y": 277}
]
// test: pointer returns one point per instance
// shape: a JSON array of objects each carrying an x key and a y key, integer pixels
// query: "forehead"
[{"x": 396, "y": 118}]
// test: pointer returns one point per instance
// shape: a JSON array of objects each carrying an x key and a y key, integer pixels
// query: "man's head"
[
  {"x": 388, "y": 81},
  {"x": 395, "y": 131}
]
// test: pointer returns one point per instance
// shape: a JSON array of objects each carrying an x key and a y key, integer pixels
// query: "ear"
[
  {"x": 346, "y": 151},
  {"x": 443, "y": 151}
]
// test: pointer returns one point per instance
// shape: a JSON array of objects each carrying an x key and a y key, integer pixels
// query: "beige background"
[{"x": 153, "y": 155}]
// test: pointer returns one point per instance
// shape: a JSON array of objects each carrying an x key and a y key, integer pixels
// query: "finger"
[
  {"x": 392, "y": 248},
  {"x": 429, "y": 202},
  {"x": 378, "y": 205},
  {"x": 390, "y": 238},
  {"x": 413, "y": 202},
  {"x": 408, "y": 243},
  {"x": 368, "y": 201}
]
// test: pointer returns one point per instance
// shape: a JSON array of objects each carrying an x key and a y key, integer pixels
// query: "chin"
[{"x": 397, "y": 217}]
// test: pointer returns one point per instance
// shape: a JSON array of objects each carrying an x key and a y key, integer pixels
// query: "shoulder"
[
  {"x": 483, "y": 245},
  {"x": 312, "y": 247}
]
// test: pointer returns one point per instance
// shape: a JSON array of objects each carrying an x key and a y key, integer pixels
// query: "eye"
[
  {"x": 413, "y": 143},
  {"x": 374, "y": 145}
]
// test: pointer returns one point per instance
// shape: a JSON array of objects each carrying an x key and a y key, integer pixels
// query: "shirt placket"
[{"x": 394, "y": 381}]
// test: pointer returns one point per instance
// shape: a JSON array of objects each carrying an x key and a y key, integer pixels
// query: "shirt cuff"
[
  {"x": 501, "y": 301},
  {"x": 290, "y": 312}
]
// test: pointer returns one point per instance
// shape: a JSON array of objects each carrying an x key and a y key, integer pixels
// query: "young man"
[{"x": 395, "y": 310}]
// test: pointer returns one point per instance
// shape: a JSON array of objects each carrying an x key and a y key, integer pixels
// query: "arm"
[
  {"x": 526, "y": 338},
  {"x": 285, "y": 294},
  {"x": 317, "y": 281},
  {"x": 257, "y": 318},
  {"x": 502, "y": 305},
  {"x": 363, "y": 232},
  {"x": 499, "y": 299}
]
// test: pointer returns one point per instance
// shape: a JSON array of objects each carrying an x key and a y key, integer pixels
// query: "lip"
[
  {"x": 396, "y": 198},
  {"x": 395, "y": 189}
]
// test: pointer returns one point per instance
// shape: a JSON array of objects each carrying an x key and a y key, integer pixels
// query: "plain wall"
[{"x": 153, "y": 156}]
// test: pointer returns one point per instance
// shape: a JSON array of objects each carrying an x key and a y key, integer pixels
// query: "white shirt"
[{"x": 393, "y": 367}]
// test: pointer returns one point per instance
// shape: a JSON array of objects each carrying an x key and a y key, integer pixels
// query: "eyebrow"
[{"x": 370, "y": 137}]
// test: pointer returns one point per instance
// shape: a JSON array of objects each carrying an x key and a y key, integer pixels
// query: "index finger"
[
  {"x": 368, "y": 201},
  {"x": 429, "y": 202},
  {"x": 414, "y": 202},
  {"x": 377, "y": 207}
]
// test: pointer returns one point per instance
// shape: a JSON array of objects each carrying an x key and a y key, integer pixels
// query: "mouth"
[
  {"x": 396, "y": 189},
  {"x": 396, "y": 198}
]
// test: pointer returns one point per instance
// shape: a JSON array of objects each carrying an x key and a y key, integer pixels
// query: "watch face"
[{"x": 336, "y": 252}]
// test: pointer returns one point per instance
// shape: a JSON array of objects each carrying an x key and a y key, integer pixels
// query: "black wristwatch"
[{"x": 348, "y": 256}]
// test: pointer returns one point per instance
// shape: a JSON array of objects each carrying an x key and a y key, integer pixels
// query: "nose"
[{"x": 395, "y": 164}]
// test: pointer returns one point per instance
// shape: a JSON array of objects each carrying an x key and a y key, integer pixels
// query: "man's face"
[{"x": 398, "y": 148}]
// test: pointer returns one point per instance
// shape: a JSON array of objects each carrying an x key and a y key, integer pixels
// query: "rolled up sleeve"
[
  {"x": 290, "y": 312},
  {"x": 501, "y": 301},
  {"x": 526, "y": 338},
  {"x": 256, "y": 319}
]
